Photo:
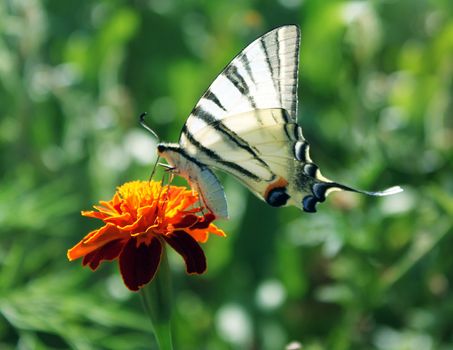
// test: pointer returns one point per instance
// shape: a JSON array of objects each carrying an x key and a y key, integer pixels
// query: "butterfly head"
[
  {"x": 170, "y": 152},
  {"x": 161, "y": 149}
]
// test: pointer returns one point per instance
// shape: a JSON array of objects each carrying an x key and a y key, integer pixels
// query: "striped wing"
[
  {"x": 246, "y": 125},
  {"x": 257, "y": 147},
  {"x": 265, "y": 149},
  {"x": 264, "y": 75}
]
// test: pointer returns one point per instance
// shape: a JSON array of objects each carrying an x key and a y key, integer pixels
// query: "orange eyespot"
[
  {"x": 275, "y": 194},
  {"x": 280, "y": 182}
]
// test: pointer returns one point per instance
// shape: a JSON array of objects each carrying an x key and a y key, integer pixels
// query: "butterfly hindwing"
[{"x": 275, "y": 154}]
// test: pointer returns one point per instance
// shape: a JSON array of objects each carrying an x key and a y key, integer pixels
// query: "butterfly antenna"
[{"x": 146, "y": 126}]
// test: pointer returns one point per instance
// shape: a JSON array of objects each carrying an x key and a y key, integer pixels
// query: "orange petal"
[
  {"x": 94, "y": 214},
  {"x": 215, "y": 230},
  {"x": 94, "y": 240},
  {"x": 119, "y": 220},
  {"x": 199, "y": 235},
  {"x": 147, "y": 214},
  {"x": 106, "y": 207},
  {"x": 202, "y": 235}
]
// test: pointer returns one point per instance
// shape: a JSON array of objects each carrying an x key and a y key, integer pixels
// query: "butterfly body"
[
  {"x": 246, "y": 125},
  {"x": 199, "y": 176}
]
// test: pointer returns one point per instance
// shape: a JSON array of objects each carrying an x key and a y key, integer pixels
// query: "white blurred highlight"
[
  {"x": 141, "y": 146},
  {"x": 270, "y": 295},
  {"x": 234, "y": 325}
]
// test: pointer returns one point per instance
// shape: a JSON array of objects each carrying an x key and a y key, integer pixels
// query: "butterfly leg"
[{"x": 167, "y": 167}]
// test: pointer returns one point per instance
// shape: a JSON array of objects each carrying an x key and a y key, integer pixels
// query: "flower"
[{"x": 139, "y": 219}]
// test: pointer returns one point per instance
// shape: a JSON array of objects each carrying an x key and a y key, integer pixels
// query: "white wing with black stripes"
[
  {"x": 246, "y": 125},
  {"x": 264, "y": 75}
]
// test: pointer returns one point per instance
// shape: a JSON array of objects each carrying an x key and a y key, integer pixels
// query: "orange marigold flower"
[{"x": 139, "y": 219}]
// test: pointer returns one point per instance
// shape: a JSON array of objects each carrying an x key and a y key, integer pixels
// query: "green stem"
[{"x": 156, "y": 298}]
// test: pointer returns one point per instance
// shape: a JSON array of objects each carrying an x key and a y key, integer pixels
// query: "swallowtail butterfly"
[{"x": 246, "y": 125}]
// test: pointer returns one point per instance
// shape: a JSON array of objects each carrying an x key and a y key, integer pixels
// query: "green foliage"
[{"x": 376, "y": 104}]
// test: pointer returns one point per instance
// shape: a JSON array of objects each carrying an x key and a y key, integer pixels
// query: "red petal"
[
  {"x": 109, "y": 251},
  {"x": 208, "y": 218},
  {"x": 187, "y": 221},
  {"x": 138, "y": 265},
  {"x": 189, "y": 249}
]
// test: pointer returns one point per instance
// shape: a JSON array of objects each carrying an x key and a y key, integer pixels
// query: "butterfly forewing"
[{"x": 263, "y": 75}]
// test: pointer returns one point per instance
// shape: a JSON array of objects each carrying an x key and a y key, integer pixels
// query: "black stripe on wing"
[
  {"x": 268, "y": 61},
  {"x": 233, "y": 75},
  {"x": 295, "y": 77},
  {"x": 246, "y": 63},
  {"x": 213, "y": 97},
  {"x": 216, "y": 157},
  {"x": 277, "y": 43},
  {"x": 231, "y": 136},
  {"x": 279, "y": 57}
]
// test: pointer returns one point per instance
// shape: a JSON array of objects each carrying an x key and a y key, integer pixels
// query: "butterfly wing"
[
  {"x": 255, "y": 147},
  {"x": 273, "y": 160},
  {"x": 264, "y": 75},
  {"x": 246, "y": 124}
]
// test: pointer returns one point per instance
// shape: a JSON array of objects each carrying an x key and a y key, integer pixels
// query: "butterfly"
[{"x": 245, "y": 124}]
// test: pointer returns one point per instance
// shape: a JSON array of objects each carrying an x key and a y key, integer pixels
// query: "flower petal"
[
  {"x": 186, "y": 221},
  {"x": 189, "y": 249},
  {"x": 138, "y": 265},
  {"x": 215, "y": 230},
  {"x": 95, "y": 240},
  {"x": 120, "y": 220},
  {"x": 202, "y": 224},
  {"x": 94, "y": 214},
  {"x": 199, "y": 235},
  {"x": 201, "y": 230},
  {"x": 109, "y": 251}
]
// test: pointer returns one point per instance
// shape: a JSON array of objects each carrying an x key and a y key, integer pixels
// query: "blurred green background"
[{"x": 376, "y": 104}]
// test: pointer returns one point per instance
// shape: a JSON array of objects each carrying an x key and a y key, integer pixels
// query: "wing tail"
[
  {"x": 320, "y": 190},
  {"x": 387, "y": 192}
]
